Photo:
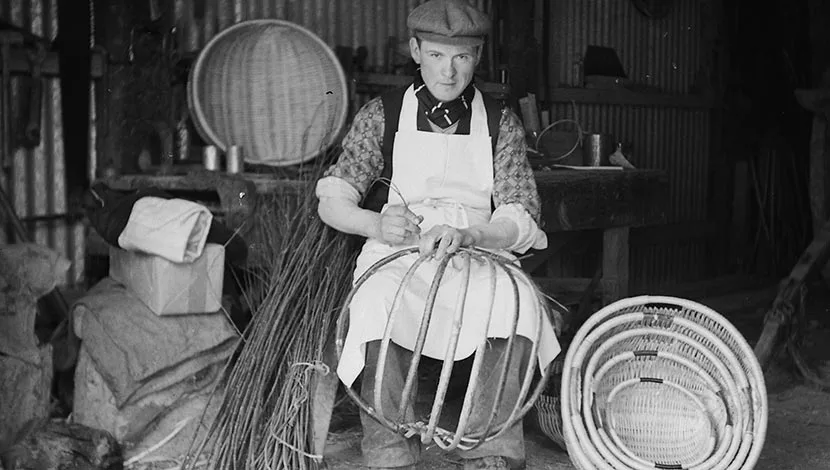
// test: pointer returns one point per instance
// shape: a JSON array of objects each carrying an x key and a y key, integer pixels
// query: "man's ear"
[
  {"x": 415, "y": 50},
  {"x": 479, "y": 50}
]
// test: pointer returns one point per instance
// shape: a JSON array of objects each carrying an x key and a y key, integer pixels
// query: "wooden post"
[
  {"x": 615, "y": 263},
  {"x": 75, "y": 58},
  {"x": 516, "y": 36},
  {"x": 113, "y": 25},
  {"x": 324, "y": 391}
]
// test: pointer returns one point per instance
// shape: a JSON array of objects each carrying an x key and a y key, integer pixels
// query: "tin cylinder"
[
  {"x": 233, "y": 159},
  {"x": 596, "y": 148},
  {"x": 210, "y": 157},
  {"x": 182, "y": 141}
]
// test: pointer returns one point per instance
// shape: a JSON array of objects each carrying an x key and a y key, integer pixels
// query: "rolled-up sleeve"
[
  {"x": 515, "y": 195},
  {"x": 361, "y": 159}
]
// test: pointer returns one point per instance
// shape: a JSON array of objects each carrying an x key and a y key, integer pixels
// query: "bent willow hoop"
[
  {"x": 459, "y": 438},
  {"x": 661, "y": 382}
]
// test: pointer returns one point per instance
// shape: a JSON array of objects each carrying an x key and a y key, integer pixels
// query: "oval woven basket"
[
  {"x": 271, "y": 87},
  {"x": 662, "y": 382}
]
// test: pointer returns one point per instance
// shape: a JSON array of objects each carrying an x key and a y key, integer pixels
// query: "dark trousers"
[{"x": 384, "y": 448}]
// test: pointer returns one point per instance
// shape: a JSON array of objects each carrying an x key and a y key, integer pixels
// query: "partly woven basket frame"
[
  {"x": 727, "y": 360},
  {"x": 446, "y": 439}
]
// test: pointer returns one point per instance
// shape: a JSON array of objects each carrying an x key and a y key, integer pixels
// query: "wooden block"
[{"x": 324, "y": 392}]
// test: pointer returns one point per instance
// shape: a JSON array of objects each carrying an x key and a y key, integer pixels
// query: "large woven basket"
[
  {"x": 271, "y": 87},
  {"x": 661, "y": 382}
]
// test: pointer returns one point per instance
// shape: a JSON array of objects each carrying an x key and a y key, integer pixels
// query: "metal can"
[
  {"x": 210, "y": 157},
  {"x": 233, "y": 159}
]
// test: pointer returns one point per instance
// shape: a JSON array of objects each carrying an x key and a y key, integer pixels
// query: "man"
[{"x": 458, "y": 174}]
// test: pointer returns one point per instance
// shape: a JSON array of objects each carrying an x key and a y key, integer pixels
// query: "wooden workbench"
[
  {"x": 611, "y": 201},
  {"x": 572, "y": 200}
]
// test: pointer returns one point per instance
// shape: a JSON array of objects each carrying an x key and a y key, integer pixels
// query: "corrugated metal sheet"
[
  {"x": 663, "y": 53},
  {"x": 37, "y": 183},
  {"x": 351, "y": 23},
  {"x": 675, "y": 140},
  {"x": 672, "y": 139}
]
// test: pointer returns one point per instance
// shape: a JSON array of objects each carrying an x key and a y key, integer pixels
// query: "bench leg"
[{"x": 615, "y": 254}]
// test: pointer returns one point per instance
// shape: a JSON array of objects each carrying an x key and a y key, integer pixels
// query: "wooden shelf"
[{"x": 624, "y": 97}]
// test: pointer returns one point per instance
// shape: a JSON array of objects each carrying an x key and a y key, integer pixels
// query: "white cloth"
[
  {"x": 175, "y": 229},
  {"x": 448, "y": 179}
]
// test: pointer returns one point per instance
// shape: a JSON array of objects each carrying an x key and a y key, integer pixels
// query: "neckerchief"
[{"x": 442, "y": 114}]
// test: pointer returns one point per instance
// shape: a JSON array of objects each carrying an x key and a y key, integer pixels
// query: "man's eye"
[{"x": 434, "y": 55}]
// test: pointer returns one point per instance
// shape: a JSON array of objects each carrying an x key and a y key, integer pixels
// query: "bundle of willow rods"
[{"x": 263, "y": 421}]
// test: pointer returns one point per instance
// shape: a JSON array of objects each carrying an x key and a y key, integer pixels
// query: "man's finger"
[
  {"x": 444, "y": 241},
  {"x": 410, "y": 227},
  {"x": 427, "y": 244},
  {"x": 395, "y": 230}
]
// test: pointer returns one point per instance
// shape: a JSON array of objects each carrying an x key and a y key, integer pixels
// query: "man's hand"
[
  {"x": 398, "y": 225},
  {"x": 443, "y": 240}
]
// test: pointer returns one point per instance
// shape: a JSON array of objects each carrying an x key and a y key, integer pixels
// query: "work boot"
[{"x": 491, "y": 462}]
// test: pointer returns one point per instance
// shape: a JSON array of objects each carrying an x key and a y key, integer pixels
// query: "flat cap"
[{"x": 454, "y": 22}]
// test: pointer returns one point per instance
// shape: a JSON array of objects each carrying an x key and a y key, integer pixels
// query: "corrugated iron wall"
[
  {"x": 675, "y": 140},
  {"x": 665, "y": 55},
  {"x": 350, "y": 23},
  {"x": 37, "y": 182}
]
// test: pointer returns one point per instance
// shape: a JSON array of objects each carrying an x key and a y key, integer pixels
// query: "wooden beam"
[
  {"x": 19, "y": 63},
  {"x": 615, "y": 261}
]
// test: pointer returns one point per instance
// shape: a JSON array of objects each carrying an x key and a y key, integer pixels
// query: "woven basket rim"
[
  {"x": 585, "y": 456},
  {"x": 195, "y": 103}
]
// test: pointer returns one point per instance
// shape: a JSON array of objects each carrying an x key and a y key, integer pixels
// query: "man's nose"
[{"x": 449, "y": 69}]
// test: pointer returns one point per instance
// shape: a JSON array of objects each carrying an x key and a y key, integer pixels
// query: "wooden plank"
[
  {"x": 615, "y": 262},
  {"x": 19, "y": 63},
  {"x": 324, "y": 391},
  {"x": 581, "y": 200}
]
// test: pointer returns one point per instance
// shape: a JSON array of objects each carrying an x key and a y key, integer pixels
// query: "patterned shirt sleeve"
[
  {"x": 513, "y": 177},
  {"x": 361, "y": 160}
]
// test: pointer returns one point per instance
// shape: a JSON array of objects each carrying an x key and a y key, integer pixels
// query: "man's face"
[{"x": 446, "y": 69}]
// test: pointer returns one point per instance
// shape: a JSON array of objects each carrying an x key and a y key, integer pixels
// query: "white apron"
[{"x": 447, "y": 179}]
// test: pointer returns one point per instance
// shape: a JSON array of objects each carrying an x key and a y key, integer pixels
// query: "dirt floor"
[{"x": 798, "y": 435}]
